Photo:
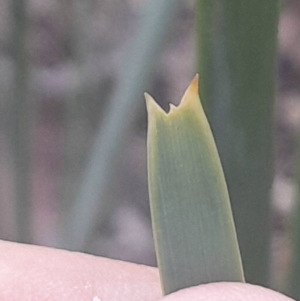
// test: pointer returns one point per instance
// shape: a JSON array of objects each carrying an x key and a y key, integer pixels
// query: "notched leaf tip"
[
  {"x": 189, "y": 99},
  {"x": 172, "y": 108},
  {"x": 152, "y": 106}
]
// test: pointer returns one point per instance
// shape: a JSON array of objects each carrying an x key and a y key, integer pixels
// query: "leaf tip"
[
  {"x": 194, "y": 85},
  {"x": 192, "y": 90},
  {"x": 191, "y": 97},
  {"x": 152, "y": 107}
]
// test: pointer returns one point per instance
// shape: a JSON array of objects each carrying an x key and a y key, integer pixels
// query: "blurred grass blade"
[
  {"x": 92, "y": 205},
  {"x": 293, "y": 282},
  {"x": 292, "y": 285},
  {"x": 237, "y": 62},
  {"x": 20, "y": 122},
  {"x": 76, "y": 106},
  {"x": 193, "y": 226}
]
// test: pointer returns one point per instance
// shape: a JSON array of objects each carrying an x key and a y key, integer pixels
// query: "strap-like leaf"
[{"x": 193, "y": 226}]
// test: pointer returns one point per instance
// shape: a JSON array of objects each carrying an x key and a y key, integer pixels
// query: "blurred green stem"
[
  {"x": 76, "y": 104},
  {"x": 19, "y": 122},
  {"x": 293, "y": 281},
  {"x": 91, "y": 205},
  {"x": 237, "y": 59}
]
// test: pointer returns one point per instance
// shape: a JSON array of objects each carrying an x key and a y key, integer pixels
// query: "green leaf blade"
[
  {"x": 237, "y": 56},
  {"x": 193, "y": 226}
]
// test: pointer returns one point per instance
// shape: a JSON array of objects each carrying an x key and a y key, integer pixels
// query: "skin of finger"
[
  {"x": 31, "y": 273},
  {"x": 223, "y": 291}
]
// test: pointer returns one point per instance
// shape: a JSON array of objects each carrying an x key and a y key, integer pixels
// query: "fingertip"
[
  {"x": 37, "y": 273},
  {"x": 226, "y": 291}
]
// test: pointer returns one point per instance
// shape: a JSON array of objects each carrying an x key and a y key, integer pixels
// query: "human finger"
[
  {"x": 223, "y": 291},
  {"x": 31, "y": 273}
]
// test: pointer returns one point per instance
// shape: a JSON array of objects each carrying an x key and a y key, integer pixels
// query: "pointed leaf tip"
[
  {"x": 172, "y": 108},
  {"x": 191, "y": 96},
  {"x": 152, "y": 107},
  {"x": 194, "y": 85}
]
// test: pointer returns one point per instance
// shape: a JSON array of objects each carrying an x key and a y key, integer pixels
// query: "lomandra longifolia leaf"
[{"x": 194, "y": 232}]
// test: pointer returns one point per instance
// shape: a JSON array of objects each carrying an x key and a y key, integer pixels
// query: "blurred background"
[{"x": 65, "y": 72}]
